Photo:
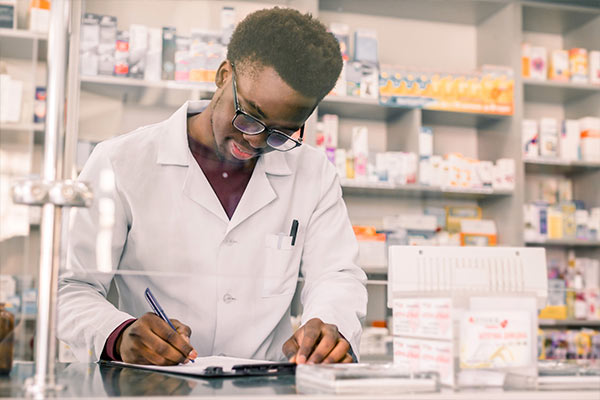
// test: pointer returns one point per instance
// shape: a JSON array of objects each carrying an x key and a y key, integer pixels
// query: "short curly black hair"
[{"x": 296, "y": 45}]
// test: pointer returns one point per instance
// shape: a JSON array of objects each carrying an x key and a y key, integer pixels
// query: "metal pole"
[
  {"x": 72, "y": 121},
  {"x": 44, "y": 381}
]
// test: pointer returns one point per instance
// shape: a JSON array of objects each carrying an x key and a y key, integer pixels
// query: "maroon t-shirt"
[{"x": 228, "y": 180}]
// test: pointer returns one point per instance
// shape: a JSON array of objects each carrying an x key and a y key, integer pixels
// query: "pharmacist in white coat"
[{"x": 224, "y": 269}]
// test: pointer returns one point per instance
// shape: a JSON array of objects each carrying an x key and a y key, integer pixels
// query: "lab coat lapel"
[
  {"x": 174, "y": 150},
  {"x": 259, "y": 192},
  {"x": 197, "y": 188}
]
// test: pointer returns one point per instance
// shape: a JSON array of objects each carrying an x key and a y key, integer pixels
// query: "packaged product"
[
  {"x": 559, "y": 65},
  {"x": 122, "y": 54},
  {"x": 138, "y": 46},
  {"x": 168, "y": 52},
  {"x": 578, "y": 61},
  {"x": 106, "y": 45}
]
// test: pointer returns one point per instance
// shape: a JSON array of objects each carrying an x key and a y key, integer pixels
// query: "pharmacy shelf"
[
  {"x": 358, "y": 107},
  {"x": 22, "y": 34},
  {"x": 565, "y": 243},
  {"x": 416, "y": 190},
  {"x": 556, "y": 92},
  {"x": 555, "y": 166},
  {"x": 456, "y": 12},
  {"x": 557, "y": 18},
  {"x": 124, "y": 82},
  {"x": 21, "y": 127},
  {"x": 553, "y": 323},
  {"x": 363, "y": 108}
]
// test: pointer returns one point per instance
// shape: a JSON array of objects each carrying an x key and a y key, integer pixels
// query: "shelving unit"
[
  {"x": 23, "y": 54},
  {"x": 553, "y": 166},
  {"x": 555, "y": 91},
  {"x": 355, "y": 187},
  {"x": 21, "y": 127},
  {"x": 120, "y": 82},
  {"x": 566, "y": 323},
  {"x": 22, "y": 34},
  {"x": 562, "y": 27},
  {"x": 566, "y": 243}
]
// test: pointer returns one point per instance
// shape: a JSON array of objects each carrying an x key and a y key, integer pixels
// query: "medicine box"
[
  {"x": 559, "y": 65},
  {"x": 549, "y": 137},
  {"x": 568, "y": 145},
  {"x": 106, "y": 45},
  {"x": 538, "y": 64},
  {"x": 8, "y": 18},
  {"x": 529, "y": 135},
  {"x": 153, "y": 71},
  {"x": 594, "y": 66},
  {"x": 138, "y": 46},
  {"x": 578, "y": 61},
  {"x": 90, "y": 40},
  {"x": 590, "y": 138},
  {"x": 168, "y": 52}
]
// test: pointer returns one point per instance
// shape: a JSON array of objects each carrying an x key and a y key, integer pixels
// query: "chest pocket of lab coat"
[{"x": 279, "y": 276}]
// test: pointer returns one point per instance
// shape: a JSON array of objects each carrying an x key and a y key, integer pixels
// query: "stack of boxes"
[
  {"x": 571, "y": 140},
  {"x": 489, "y": 90},
  {"x": 560, "y": 220},
  {"x": 360, "y": 74},
  {"x": 573, "y": 289},
  {"x": 153, "y": 53},
  {"x": 575, "y": 65}
]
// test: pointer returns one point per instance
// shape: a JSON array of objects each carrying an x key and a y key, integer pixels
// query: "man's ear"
[{"x": 223, "y": 73}]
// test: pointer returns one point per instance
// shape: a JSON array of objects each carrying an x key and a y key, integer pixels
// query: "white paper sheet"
[{"x": 198, "y": 366}]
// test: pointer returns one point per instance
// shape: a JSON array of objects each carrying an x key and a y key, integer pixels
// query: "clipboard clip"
[{"x": 266, "y": 369}]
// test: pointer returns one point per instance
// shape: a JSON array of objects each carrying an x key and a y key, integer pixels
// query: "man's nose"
[{"x": 257, "y": 141}]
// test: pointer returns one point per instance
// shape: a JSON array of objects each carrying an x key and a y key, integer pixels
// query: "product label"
[
  {"x": 423, "y": 317},
  {"x": 425, "y": 355},
  {"x": 495, "y": 339}
]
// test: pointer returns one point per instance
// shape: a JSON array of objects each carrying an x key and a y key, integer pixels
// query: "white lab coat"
[{"x": 232, "y": 281}]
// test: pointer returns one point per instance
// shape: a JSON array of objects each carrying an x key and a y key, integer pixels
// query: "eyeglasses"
[{"x": 249, "y": 125}]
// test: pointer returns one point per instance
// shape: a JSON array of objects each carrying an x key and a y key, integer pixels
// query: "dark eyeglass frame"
[{"x": 270, "y": 131}]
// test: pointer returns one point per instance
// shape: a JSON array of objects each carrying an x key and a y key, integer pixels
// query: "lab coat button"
[{"x": 227, "y": 298}]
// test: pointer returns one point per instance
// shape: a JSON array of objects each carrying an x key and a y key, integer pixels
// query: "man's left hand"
[{"x": 317, "y": 342}]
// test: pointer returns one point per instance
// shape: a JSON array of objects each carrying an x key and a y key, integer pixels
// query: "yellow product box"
[
  {"x": 525, "y": 60},
  {"x": 553, "y": 312},
  {"x": 569, "y": 225},
  {"x": 578, "y": 62},
  {"x": 455, "y": 214},
  {"x": 559, "y": 65},
  {"x": 555, "y": 223}
]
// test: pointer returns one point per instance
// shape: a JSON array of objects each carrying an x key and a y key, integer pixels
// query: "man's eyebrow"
[
  {"x": 257, "y": 108},
  {"x": 261, "y": 113}
]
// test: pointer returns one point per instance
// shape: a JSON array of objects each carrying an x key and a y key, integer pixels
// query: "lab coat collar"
[{"x": 174, "y": 148}]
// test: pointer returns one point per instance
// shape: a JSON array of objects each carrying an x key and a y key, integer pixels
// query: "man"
[{"x": 206, "y": 205}]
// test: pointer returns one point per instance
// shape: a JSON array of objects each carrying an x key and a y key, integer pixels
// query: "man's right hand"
[{"x": 150, "y": 340}]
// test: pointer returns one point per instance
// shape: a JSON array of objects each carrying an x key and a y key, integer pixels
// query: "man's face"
[{"x": 265, "y": 96}]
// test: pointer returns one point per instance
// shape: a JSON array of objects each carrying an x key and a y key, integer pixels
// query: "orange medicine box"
[{"x": 578, "y": 61}]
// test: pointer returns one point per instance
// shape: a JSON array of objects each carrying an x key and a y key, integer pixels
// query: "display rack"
[
  {"x": 566, "y": 243},
  {"x": 356, "y": 187},
  {"x": 568, "y": 323}
]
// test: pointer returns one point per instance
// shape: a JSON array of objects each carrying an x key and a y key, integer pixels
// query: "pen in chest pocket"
[{"x": 293, "y": 234}]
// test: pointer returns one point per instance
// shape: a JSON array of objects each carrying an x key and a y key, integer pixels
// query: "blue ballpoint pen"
[{"x": 158, "y": 309}]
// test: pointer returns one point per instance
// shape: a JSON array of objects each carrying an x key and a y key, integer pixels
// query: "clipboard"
[
  {"x": 266, "y": 369},
  {"x": 218, "y": 371}
]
